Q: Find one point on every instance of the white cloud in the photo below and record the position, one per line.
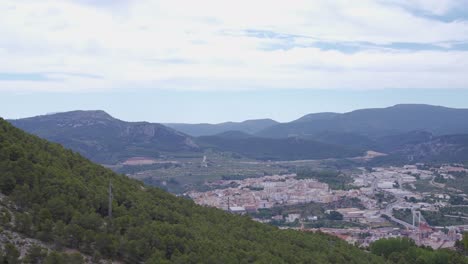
(202, 44)
(435, 7)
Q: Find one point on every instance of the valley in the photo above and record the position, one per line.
(359, 187)
(233, 132)
(365, 209)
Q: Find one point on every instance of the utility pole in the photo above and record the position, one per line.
(110, 199)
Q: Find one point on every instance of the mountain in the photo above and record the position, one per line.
(392, 130)
(104, 139)
(345, 139)
(397, 142)
(428, 148)
(248, 126)
(276, 148)
(233, 134)
(377, 122)
(316, 116)
(55, 196)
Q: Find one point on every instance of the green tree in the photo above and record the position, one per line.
(11, 254)
(334, 215)
(54, 258)
(35, 255)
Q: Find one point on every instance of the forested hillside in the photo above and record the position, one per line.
(377, 122)
(278, 148)
(61, 198)
(248, 126)
(105, 139)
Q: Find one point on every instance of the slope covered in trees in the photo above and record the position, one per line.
(105, 139)
(377, 122)
(405, 251)
(278, 148)
(248, 126)
(59, 197)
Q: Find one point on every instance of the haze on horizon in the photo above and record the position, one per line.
(216, 61)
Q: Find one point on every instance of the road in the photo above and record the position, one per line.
(435, 184)
(389, 212)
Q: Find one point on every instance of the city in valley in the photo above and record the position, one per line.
(379, 202)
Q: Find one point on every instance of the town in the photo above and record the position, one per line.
(380, 202)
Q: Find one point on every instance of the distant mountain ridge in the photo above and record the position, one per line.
(276, 148)
(316, 116)
(427, 148)
(105, 139)
(248, 126)
(400, 131)
(377, 122)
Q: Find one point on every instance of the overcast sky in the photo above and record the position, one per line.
(210, 61)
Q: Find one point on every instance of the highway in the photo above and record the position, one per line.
(389, 212)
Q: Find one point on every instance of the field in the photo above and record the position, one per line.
(179, 174)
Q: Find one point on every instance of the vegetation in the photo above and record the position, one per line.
(440, 219)
(325, 223)
(404, 215)
(377, 122)
(335, 179)
(61, 198)
(278, 148)
(305, 210)
(104, 139)
(455, 210)
(432, 218)
(36, 254)
(131, 169)
(190, 175)
(334, 215)
(459, 182)
(237, 129)
(439, 179)
(405, 251)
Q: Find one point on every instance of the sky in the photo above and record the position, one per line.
(213, 61)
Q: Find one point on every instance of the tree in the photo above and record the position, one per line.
(106, 244)
(35, 255)
(54, 258)
(11, 254)
(74, 258)
(334, 215)
(465, 241)
(385, 247)
(23, 223)
(7, 183)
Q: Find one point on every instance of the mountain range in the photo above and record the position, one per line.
(248, 126)
(276, 148)
(373, 122)
(105, 139)
(377, 122)
(407, 132)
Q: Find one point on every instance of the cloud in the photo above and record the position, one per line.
(434, 7)
(203, 45)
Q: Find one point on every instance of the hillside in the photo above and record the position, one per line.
(59, 197)
(427, 148)
(104, 139)
(394, 130)
(377, 122)
(276, 148)
(248, 126)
